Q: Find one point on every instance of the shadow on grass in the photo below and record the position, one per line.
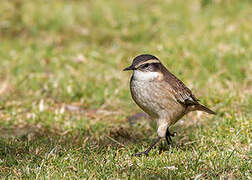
(16, 140)
(34, 144)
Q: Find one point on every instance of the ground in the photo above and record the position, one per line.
(65, 101)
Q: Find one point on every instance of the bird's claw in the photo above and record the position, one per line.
(173, 134)
(168, 136)
(141, 153)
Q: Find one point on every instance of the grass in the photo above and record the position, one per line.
(64, 100)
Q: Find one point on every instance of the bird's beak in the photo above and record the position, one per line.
(131, 67)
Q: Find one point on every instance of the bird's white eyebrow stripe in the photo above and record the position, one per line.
(147, 62)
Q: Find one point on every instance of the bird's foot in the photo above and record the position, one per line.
(173, 134)
(148, 150)
(141, 153)
(168, 136)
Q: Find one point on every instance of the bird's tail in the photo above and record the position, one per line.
(205, 109)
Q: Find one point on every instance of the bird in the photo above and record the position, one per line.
(161, 95)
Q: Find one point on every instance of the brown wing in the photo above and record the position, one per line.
(181, 92)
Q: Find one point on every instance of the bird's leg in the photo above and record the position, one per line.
(168, 136)
(148, 150)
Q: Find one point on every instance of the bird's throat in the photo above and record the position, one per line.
(145, 76)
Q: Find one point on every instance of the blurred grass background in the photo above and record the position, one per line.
(64, 100)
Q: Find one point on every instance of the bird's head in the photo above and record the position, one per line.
(145, 67)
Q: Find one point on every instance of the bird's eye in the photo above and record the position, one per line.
(146, 65)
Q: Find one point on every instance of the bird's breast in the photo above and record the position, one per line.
(154, 99)
(142, 93)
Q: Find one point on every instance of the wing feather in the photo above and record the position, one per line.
(182, 93)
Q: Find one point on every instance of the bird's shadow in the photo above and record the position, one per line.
(16, 143)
